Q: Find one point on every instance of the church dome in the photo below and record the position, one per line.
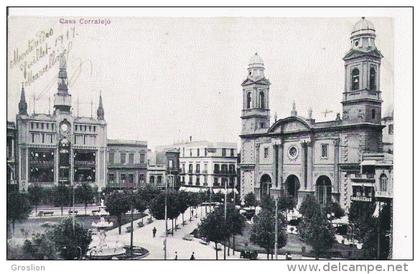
(363, 26)
(256, 60)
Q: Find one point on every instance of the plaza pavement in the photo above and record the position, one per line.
(144, 237)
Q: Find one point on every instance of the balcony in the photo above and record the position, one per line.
(84, 163)
(361, 198)
(43, 163)
(368, 178)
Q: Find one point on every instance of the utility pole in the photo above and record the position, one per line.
(132, 220)
(276, 229)
(224, 246)
(166, 218)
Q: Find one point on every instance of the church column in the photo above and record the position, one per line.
(309, 165)
(336, 186)
(256, 171)
(303, 143)
(280, 167)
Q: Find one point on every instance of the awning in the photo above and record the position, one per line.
(368, 163)
(192, 189)
(222, 190)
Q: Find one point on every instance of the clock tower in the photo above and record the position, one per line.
(62, 99)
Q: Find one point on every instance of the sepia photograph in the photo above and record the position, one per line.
(207, 134)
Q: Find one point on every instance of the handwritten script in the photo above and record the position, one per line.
(40, 53)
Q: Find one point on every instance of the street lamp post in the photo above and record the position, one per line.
(166, 218)
(132, 221)
(276, 229)
(224, 246)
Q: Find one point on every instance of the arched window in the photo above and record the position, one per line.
(372, 78)
(248, 100)
(355, 79)
(373, 114)
(383, 183)
(262, 100)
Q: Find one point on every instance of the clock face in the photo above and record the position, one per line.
(64, 127)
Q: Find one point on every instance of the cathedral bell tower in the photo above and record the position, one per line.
(255, 109)
(362, 96)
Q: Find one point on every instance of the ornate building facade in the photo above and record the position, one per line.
(297, 156)
(60, 148)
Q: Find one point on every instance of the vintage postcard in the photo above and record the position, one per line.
(209, 134)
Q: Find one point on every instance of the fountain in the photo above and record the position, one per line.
(101, 249)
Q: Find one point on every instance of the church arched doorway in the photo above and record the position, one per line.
(323, 189)
(265, 183)
(292, 186)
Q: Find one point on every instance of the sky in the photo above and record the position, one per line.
(165, 79)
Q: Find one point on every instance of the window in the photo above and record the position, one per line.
(42, 125)
(190, 180)
(355, 79)
(391, 129)
(372, 78)
(32, 125)
(232, 152)
(190, 152)
(33, 137)
(131, 158)
(142, 158)
(183, 168)
(141, 179)
(205, 181)
(266, 152)
(248, 100)
(205, 152)
(216, 181)
(152, 180)
(51, 138)
(198, 152)
(216, 168)
(159, 179)
(84, 139)
(170, 163)
(111, 157)
(224, 152)
(197, 168)
(262, 100)
(122, 156)
(43, 137)
(190, 168)
(205, 168)
(383, 183)
(111, 178)
(197, 180)
(324, 151)
(262, 125)
(373, 113)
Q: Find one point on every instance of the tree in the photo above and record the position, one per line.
(361, 216)
(268, 203)
(235, 221)
(157, 207)
(309, 206)
(369, 229)
(140, 203)
(117, 204)
(250, 200)
(18, 207)
(263, 230)
(61, 195)
(286, 203)
(335, 210)
(315, 229)
(214, 228)
(40, 247)
(70, 243)
(36, 195)
(183, 203)
(85, 194)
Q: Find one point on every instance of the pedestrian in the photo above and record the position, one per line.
(154, 231)
(288, 257)
(176, 256)
(192, 256)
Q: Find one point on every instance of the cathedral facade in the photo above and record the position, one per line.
(296, 156)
